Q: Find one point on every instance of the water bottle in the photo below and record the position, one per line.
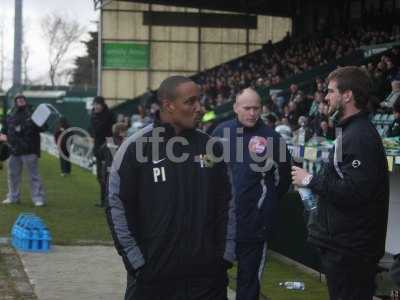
(308, 198)
(302, 136)
(46, 240)
(35, 240)
(293, 285)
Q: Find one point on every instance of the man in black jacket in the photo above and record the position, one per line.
(349, 224)
(169, 204)
(23, 138)
(101, 122)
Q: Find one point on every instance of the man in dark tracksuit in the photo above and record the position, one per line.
(349, 224)
(169, 205)
(260, 178)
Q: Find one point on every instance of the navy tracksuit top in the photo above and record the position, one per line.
(260, 168)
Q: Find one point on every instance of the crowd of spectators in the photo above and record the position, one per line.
(275, 63)
(295, 109)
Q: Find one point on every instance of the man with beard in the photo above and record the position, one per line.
(101, 122)
(169, 204)
(349, 224)
(23, 139)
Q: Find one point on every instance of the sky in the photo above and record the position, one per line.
(33, 12)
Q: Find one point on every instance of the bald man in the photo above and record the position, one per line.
(260, 166)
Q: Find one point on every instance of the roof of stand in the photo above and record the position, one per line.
(266, 7)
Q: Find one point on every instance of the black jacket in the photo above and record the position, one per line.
(170, 219)
(23, 135)
(101, 127)
(106, 155)
(4, 151)
(353, 190)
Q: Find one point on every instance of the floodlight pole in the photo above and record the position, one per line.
(99, 53)
(17, 44)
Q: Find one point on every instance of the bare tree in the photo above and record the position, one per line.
(26, 52)
(61, 34)
(25, 58)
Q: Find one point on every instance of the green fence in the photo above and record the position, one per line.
(71, 101)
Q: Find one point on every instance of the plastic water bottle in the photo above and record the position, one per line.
(35, 240)
(302, 136)
(308, 198)
(46, 240)
(293, 285)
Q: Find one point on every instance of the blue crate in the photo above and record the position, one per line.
(29, 233)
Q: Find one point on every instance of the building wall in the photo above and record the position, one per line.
(172, 49)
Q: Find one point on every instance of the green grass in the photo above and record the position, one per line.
(72, 217)
(70, 213)
(276, 272)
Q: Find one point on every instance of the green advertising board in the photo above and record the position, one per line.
(125, 56)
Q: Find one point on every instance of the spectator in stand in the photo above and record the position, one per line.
(391, 69)
(325, 130)
(120, 118)
(303, 134)
(290, 112)
(302, 104)
(293, 92)
(321, 115)
(395, 56)
(154, 109)
(393, 96)
(394, 129)
(269, 120)
(127, 121)
(283, 128)
(318, 98)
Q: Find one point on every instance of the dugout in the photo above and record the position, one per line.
(177, 37)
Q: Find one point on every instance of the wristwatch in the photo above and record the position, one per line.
(306, 180)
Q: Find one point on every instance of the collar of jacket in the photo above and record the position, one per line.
(102, 113)
(345, 122)
(22, 110)
(249, 129)
(169, 130)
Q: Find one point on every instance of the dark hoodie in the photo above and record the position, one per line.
(101, 126)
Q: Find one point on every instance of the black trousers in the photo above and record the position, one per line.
(209, 288)
(100, 179)
(348, 277)
(65, 166)
(251, 262)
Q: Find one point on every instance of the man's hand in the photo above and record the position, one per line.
(298, 175)
(3, 138)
